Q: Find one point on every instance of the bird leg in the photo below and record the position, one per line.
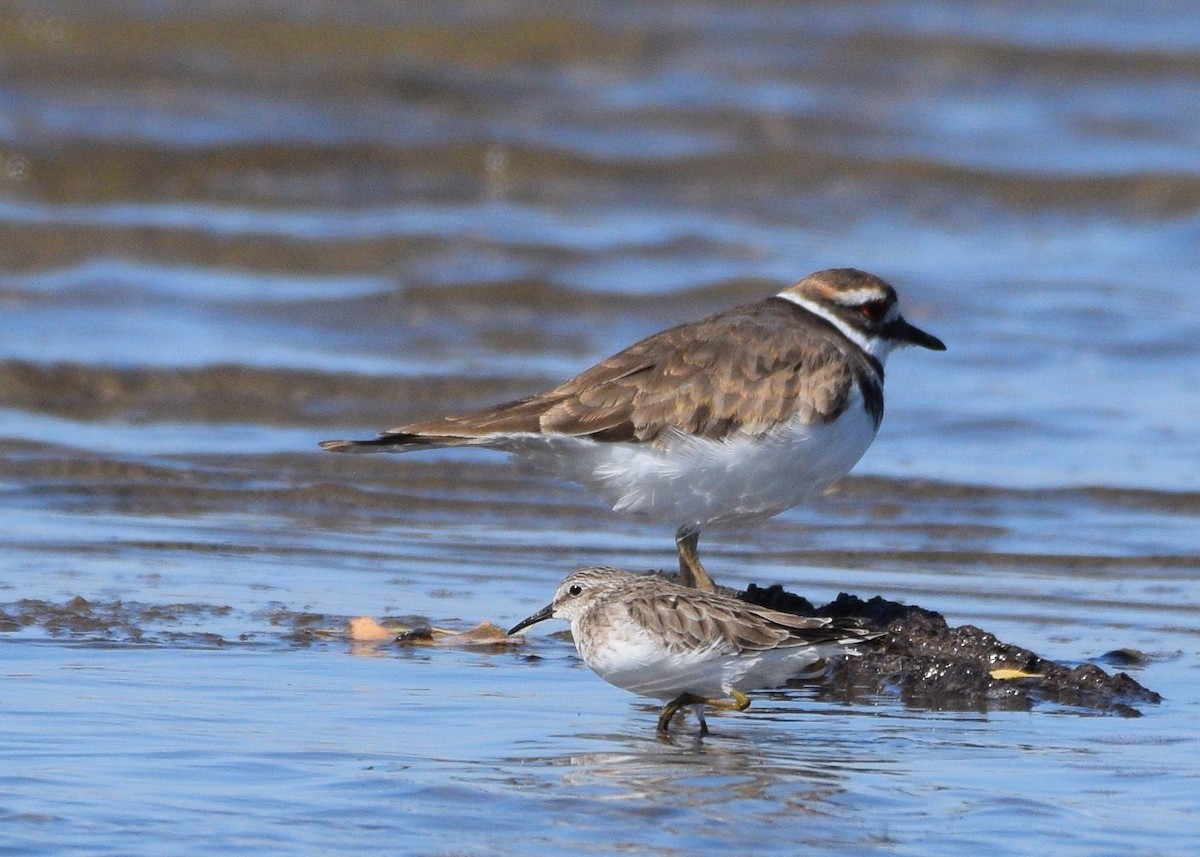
(739, 702)
(690, 570)
(672, 707)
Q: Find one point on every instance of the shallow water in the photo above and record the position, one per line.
(230, 231)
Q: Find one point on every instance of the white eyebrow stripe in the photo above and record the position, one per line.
(858, 297)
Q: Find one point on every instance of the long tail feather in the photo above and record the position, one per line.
(398, 442)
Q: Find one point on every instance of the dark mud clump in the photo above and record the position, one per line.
(114, 622)
(932, 665)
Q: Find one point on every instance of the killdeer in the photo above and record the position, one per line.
(737, 416)
(648, 635)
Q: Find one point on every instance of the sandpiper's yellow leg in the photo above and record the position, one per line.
(690, 569)
(672, 707)
(739, 702)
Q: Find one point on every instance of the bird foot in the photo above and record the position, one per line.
(738, 702)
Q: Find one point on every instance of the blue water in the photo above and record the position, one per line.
(227, 233)
(310, 752)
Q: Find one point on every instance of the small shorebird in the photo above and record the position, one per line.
(648, 635)
(737, 416)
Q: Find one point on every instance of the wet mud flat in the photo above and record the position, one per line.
(923, 660)
(920, 658)
(931, 664)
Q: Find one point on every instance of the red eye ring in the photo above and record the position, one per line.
(873, 310)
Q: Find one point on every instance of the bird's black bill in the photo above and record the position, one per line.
(901, 331)
(540, 616)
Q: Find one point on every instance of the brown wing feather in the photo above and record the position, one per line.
(744, 369)
(697, 619)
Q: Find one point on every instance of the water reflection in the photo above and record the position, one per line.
(783, 758)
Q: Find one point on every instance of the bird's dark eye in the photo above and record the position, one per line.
(873, 310)
(574, 589)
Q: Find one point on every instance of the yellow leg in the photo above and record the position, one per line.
(690, 569)
(672, 708)
(739, 702)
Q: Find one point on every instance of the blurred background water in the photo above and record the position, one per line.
(231, 229)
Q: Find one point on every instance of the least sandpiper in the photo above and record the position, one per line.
(737, 416)
(649, 635)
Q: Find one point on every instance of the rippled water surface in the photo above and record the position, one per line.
(228, 231)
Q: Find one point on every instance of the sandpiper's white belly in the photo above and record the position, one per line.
(625, 655)
(687, 480)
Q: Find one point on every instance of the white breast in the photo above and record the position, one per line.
(685, 480)
(629, 658)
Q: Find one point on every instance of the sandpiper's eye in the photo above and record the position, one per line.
(574, 589)
(873, 310)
